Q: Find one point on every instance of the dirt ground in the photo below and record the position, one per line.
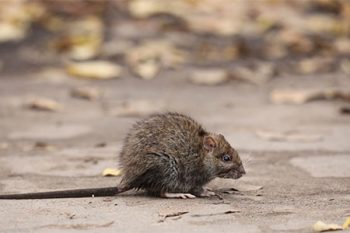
(290, 184)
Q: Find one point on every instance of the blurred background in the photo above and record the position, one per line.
(225, 62)
(250, 41)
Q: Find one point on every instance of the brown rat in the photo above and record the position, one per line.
(168, 155)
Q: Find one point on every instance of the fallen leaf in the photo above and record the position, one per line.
(321, 227)
(215, 214)
(88, 93)
(112, 172)
(81, 38)
(137, 108)
(101, 144)
(16, 18)
(259, 74)
(301, 96)
(295, 41)
(315, 65)
(290, 136)
(160, 52)
(345, 110)
(45, 104)
(164, 217)
(279, 96)
(345, 66)
(322, 23)
(94, 70)
(44, 146)
(346, 224)
(147, 70)
(12, 32)
(209, 76)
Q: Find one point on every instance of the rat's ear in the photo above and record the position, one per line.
(209, 143)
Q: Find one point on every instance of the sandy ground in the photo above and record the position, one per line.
(290, 184)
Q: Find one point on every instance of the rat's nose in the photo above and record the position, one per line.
(241, 170)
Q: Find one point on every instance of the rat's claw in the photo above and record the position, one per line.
(178, 195)
(207, 193)
(188, 195)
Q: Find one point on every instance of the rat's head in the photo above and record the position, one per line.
(227, 163)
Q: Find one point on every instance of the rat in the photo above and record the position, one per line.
(169, 155)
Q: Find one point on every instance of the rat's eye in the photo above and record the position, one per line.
(226, 158)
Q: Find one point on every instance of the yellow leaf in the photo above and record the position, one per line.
(112, 172)
(346, 224)
(94, 70)
(321, 226)
(45, 104)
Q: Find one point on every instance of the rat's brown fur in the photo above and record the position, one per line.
(165, 153)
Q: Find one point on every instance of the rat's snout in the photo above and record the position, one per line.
(241, 170)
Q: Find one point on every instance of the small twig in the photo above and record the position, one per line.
(218, 196)
(177, 214)
(214, 214)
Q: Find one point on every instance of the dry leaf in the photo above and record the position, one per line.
(261, 73)
(315, 65)
(346, 224)
(294, 96)
(45, 104)
(321, 227)
(322, 23)
(12, 32)
(147, 70)
(345, 66)
(16, 17)
(94, 70)
(146, 8)
(161, 51)
(344, 110)
(88, 93)
(82, 38)
(209, 76)
(101, 144)
(112, 172)
(136, 108)
(290, 136)
(301, 96)
(44, 146)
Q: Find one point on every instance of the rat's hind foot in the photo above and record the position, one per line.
(177, 195)
(207, 193)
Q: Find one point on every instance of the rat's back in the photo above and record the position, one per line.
(173, 134)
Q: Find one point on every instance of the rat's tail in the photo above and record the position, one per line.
(73, 193)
